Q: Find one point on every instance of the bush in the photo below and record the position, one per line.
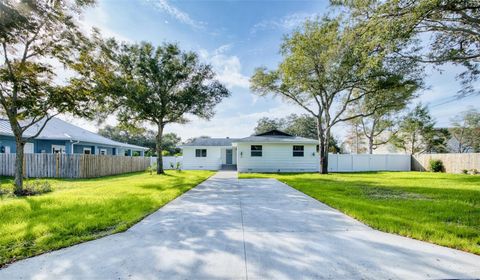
(464, 171)
(152, 168)
(36, 187)
(436, 165)
(474, 171)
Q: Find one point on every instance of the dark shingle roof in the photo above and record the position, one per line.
(277, 139)
(211, 142)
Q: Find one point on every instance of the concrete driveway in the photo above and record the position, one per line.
(257, 229)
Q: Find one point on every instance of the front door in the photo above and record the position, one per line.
(229, 156)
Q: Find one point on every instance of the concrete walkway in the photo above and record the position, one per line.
(257, 229)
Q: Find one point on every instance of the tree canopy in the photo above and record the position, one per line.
(37, 38)
(142, 137)
(326, 69)
(417, 133)
(466, 131)
(162, 85)
(430, 31)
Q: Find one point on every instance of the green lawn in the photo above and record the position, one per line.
(80, 210)
(434, 207)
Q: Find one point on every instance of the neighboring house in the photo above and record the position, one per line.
(59, 136)
(273, 151)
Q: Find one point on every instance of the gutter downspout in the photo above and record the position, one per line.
(73, 143)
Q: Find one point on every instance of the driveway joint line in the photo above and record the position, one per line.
(237, 183)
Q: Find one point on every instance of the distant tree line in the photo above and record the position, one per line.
(143, 137)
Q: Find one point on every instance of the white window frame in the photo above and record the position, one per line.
(60, 148)
(201, 154)
(103, 152)
(87, 149)
(31, 150)
(299, 152)
(256, 152)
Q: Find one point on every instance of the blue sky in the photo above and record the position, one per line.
(236, 37)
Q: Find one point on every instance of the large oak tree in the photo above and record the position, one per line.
(327, 68)
(162, 85)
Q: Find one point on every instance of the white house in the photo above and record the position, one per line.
(273, 151)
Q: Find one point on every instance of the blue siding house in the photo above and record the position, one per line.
(59, 136)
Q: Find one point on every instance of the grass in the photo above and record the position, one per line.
(81, 210)
(439, 208)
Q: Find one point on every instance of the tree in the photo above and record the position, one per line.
(355, 137)
(466, 131)
(438, 143)
(327, 68)
(417, 134)
(452, 27)
(378, 128)
(302, 125)
(38, 37)
(161, 85)
(267, 124)
(142, 137)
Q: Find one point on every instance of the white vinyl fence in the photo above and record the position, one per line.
(367, 162)
(168, 162)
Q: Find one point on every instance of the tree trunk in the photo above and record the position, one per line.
(323, 138)
(160, 150)
(20, 144)
(370, 145)
(326, 145)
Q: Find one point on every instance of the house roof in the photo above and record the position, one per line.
(276, 136)
(57, 129)
(273, 136)
(210, 142)
(274, 132)
(277, 139)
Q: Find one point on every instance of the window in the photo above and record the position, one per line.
(256, 150)
(298, 151)
(200, 152)
(29, 149)
(103, 152)
(318, 148)
(58, 149)
(87, 151)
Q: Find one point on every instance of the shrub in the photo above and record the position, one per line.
(474, 171)
(36, 187)
(152, 168)
(179, 166)
(436, 165)
(464, 171)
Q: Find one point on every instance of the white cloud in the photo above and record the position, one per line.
(227, 67)
(98, 17)
(174, 12)
(286, 23)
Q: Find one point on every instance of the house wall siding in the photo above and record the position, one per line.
(213, 161)
(45, 146)
(277, 158)
(7, 141)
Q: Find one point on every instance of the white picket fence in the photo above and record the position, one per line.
(367, 162)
